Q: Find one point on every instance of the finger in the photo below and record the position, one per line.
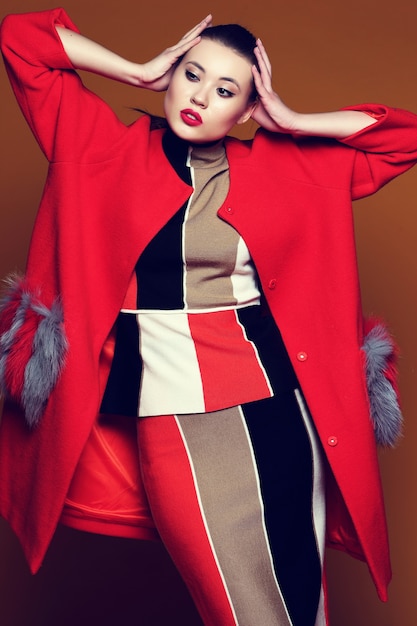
(198, 28)
(264, 55)
(190, 39)
(264, 65)
(259, 83)
(263, 72)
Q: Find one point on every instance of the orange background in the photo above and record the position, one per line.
(325, 54)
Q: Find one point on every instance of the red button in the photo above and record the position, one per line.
(302, 356)
(272, 283)
(229, 210)
(332, 441)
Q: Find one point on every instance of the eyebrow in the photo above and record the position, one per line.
(227, 78)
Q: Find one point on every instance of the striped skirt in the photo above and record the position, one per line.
(237, 498)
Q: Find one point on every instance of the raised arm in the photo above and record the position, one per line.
(383, 139)
(41, 51)
(86, 54)
(272, 114)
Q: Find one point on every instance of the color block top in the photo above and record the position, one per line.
(188, 335)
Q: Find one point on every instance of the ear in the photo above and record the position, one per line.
(247, 113)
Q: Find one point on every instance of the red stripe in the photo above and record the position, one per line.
(230, 369)
(172, 495)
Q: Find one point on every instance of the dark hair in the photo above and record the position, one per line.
(237, 38)
(233, 36)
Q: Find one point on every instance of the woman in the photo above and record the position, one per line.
(165, 265)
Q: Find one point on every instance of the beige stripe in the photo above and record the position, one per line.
(227, 484)
(210, 243)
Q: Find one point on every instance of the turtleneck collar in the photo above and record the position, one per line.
(203, 155)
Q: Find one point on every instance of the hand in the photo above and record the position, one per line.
(156, 73)
(270, 112)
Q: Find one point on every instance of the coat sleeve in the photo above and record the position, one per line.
(68, 121)
(383, 150)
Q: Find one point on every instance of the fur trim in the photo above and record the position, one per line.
(33, 347)
(381, 374)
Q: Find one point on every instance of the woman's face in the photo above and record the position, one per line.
(210, 91)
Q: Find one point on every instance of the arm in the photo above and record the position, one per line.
(336, 124)
(383, 139)
(272, 114)
(41, 51)
(86, 54)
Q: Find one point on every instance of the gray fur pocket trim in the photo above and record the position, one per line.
(380, 361)
(33, 347)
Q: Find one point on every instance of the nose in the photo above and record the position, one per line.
(200, 98)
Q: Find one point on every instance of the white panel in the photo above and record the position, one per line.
(171, 381)
(243, 278)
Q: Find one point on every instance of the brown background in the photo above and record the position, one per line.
(325, 54)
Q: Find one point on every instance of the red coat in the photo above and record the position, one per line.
(109, 191)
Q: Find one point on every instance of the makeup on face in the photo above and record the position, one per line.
(210, 91)
(191, 117)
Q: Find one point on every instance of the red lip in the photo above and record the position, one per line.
(190, 117)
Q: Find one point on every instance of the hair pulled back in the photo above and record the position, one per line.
(232, 36)
(235, 37)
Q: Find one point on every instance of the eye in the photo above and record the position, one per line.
(225, 93)
(191, 76)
